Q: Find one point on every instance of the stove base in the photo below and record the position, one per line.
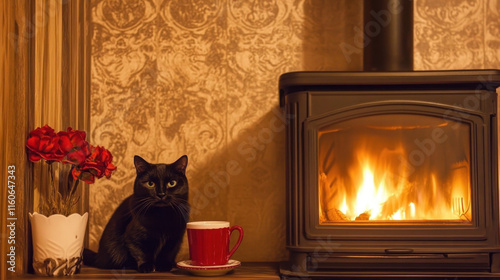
(286, 273)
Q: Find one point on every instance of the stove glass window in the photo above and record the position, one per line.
(395, 168)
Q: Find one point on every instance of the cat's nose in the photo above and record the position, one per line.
(161, 195)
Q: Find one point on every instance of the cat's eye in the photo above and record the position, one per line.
(150, 184)
(172, 184)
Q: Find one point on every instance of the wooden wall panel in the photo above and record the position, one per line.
(17, 85)
(31, 56)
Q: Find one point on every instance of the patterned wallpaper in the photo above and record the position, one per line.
(199, 77)
(458, 34)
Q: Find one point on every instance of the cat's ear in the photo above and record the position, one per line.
(140, 164)
(181, 164)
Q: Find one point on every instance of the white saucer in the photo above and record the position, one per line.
(212, 270)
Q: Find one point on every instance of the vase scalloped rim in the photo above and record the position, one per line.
(57, 215)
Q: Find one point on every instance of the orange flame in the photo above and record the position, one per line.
(377, 188)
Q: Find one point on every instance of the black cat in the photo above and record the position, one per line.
(146, 230)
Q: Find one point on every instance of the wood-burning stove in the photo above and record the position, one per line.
(392, 173)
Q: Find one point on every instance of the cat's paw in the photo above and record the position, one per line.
(146, 268)
(164, 267)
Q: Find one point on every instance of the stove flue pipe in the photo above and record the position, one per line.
(388, 35)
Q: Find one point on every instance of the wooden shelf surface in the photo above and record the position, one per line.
(247, 270)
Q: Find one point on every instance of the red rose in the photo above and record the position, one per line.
(97, 164)
(68, 147)
(44, 143)
(73, 143)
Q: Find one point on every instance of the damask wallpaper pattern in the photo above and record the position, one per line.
(174, 77)
(200, 77)
(458, 34)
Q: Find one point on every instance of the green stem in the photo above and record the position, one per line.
(53, 192)
(73, 184)
(69, 183)
(73, 187)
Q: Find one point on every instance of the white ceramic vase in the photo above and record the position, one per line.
(58, 243)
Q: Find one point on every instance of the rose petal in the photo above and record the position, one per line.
(34, 157)
(65, 143)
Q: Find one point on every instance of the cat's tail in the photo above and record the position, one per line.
(89, 257)
(99, 260)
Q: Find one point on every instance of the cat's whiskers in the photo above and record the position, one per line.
(181, 207)
(138, 204)
(142, 206)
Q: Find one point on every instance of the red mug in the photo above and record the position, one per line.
(209, 242)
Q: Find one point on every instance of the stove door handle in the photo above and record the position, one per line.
(398, 251)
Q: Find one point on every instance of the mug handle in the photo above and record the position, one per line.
(240, 229)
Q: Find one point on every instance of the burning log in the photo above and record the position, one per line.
(365, 216)
(397, 201)
(391, 205)
(336, 215)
